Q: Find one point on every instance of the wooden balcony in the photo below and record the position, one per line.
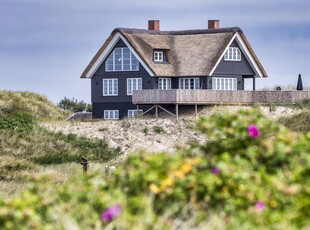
(200, 97)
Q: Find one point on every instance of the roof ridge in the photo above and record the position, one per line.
(179, 32)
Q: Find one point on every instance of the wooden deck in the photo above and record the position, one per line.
(204, 97)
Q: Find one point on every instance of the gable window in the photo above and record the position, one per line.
(110, 87)
(122, 59)
(188, 83)
(111, 114)
(134, 113)
(133, 84)
(232, 54)
(158, 56)
(164, 83)
(224, 83)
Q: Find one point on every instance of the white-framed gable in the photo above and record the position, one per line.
(108, 50)
(245, 52)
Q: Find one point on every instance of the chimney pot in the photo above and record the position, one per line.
(154, 25)
(213, 24)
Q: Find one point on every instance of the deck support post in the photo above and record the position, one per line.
(177, 111)
(254, 84)
(138, 115)
(196, 110)
(156, 111)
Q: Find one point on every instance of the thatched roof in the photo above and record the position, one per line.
(191, 52)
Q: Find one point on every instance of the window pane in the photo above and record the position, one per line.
(197, 83)
(134, 63)
(186, 84)
(129, 86)
(169, 83)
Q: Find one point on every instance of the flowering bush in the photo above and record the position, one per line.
(250, 173)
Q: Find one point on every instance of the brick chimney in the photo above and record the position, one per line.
(154, 25)
(213, 24)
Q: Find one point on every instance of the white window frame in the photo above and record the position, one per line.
(164, 83)
(111, 114)
(232, 54)
(158, 56)
(134, 112)
(112, 90)
(185, 83)
(223, 83)
(133, 84)
(131, 59)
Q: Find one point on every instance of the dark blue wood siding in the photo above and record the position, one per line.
(234, 67)
(122, 101)
(122, 107)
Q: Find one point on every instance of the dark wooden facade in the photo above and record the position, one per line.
(122, 102)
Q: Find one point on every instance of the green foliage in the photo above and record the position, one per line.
(158, 129)
(23, 153)
(238, 179)
(20, 122)
(26, 102)
(304, 104)
(103, 129)
(74, 105)
(299, 122)
(146, 130)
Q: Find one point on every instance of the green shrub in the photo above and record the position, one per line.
(20, 122)
(251, 173)
(299, 122)
(158, 129)
(146, 130)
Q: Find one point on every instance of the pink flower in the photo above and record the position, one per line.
(253, 131)
(259, 206)
(111, 213)
(216, 171)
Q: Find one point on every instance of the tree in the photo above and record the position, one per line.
(74, 105)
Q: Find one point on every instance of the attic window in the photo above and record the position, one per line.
(122, 59)
(158, 56)
(232, 54)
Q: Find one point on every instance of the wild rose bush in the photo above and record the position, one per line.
(251, 173)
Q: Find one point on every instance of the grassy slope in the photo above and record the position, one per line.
(36, 105)
(38, 151)
(298, 122)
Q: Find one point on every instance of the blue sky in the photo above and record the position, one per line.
(46, 45)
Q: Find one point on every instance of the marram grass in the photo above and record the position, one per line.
(27, 102)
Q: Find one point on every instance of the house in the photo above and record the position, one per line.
(138, 59)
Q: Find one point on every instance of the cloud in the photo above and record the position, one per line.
(45, 45)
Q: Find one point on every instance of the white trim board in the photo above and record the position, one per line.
(108, 49)
(246, 53)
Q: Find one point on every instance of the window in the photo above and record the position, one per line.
(134, 113)
(111, 114)
(122, 59)
(133, 84)
(164, 83)
(224, 83)
(158, 56)
(189, 83)
(110, 87)
(232, 54)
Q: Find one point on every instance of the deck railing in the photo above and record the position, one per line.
(177, 96)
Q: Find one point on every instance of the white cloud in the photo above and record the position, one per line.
(45, 45)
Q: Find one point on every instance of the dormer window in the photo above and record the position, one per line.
(158, 56)
(232, 54)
